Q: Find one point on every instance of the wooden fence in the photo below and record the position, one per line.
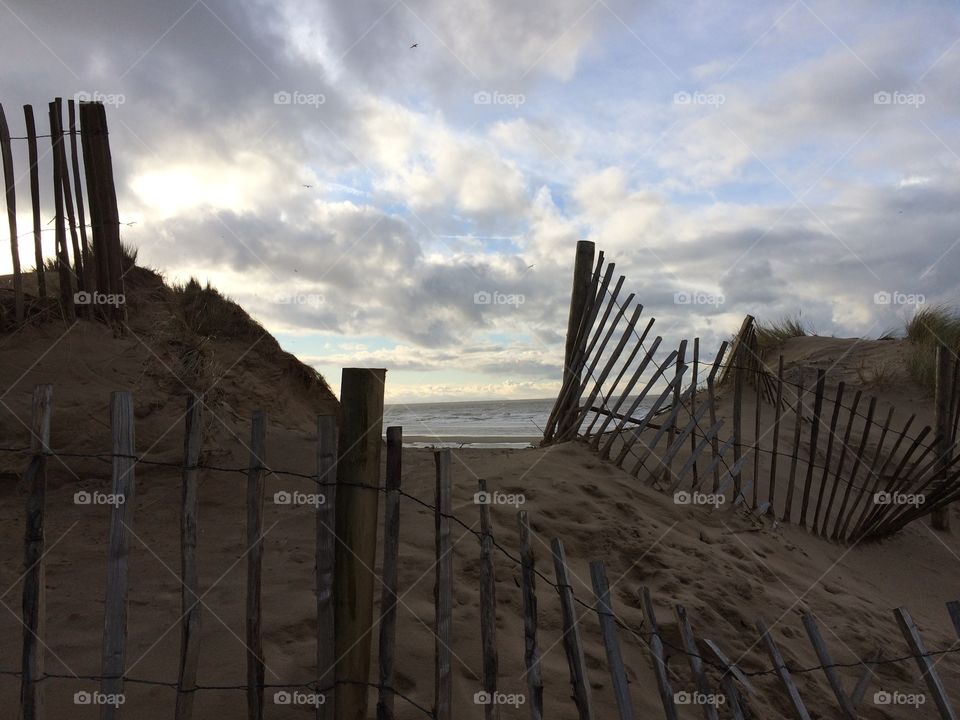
(348, 471)
(787, 447)
(89, 273)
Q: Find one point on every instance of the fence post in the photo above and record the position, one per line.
(190, 584)
(255, 473)
(940, 518)
(531, 654)
(33, 157)
(63, 255)
(488, 604)
(388, 597)
(9, 181)
(326, 549)
(358, 483)
(571, 634)
(34, 585)
(443, 590)
(121, 519)
(78, 194)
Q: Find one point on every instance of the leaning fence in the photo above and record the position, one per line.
(828, 462)
(718, 681)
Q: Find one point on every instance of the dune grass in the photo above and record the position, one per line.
(929, 327)
(773, 333)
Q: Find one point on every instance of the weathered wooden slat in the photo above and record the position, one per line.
(735, 350)
(604, 450)
(118, 550)
(254, 617)
(608, 627)
(732, 696)
(775, 441)
(60, 229)
(851, 481)
(825, 477)
(189, 577)
(443, 589)
(664, 427)
(656, 649)
(757, 406)
(927, 668)
(799, 709)
(34, 160)
(637, 347)
(671, 423)
(71, 220)
(531, 652)
(865, 494)
(738, 372)
(843, 517)
(794, 456)
(579, 682)
(324, 566)
(714, 466)
(953, 608)
(823, 655)
(391, 551)
(78, 193)
(814, 438)
(730, 666)
(860, 689)
(34, 576)
(838, 473)
(693, 405)
(488, 607)
(681, 439)
(9, 182)
(696, 663)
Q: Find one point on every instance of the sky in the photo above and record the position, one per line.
(361, 197)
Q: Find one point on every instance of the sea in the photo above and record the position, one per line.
(483, 423)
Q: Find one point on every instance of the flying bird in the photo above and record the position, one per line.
(308, 186)
(414, 45)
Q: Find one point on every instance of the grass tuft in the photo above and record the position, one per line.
(929, 327)
(773, 333)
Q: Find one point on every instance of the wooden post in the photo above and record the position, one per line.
(443, 590)
(255, 475)
(837, 479)
(488, 607)
(78, 193)
(9, 181)
(737, 412)
(780, 666)
(33, 157)
(656, 649)
(34, 577)
(608, 627)
(831, 435)
(118, 552)
(189, 579)
(842, 515)
(693, 654)
(940, 518)
(531, 653)
(823, 655)
(798, 419)
(926, 665)
(814, 437)
(326, 549)
(953, 609)
(772, 490)
(693, 406)
(671, 422)
(757, 407)
(63, 255)
(61, 159)
(571, 634)
(358, 483)
(391, 549)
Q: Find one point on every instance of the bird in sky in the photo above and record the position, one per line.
(414, 45)
(308, 186)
